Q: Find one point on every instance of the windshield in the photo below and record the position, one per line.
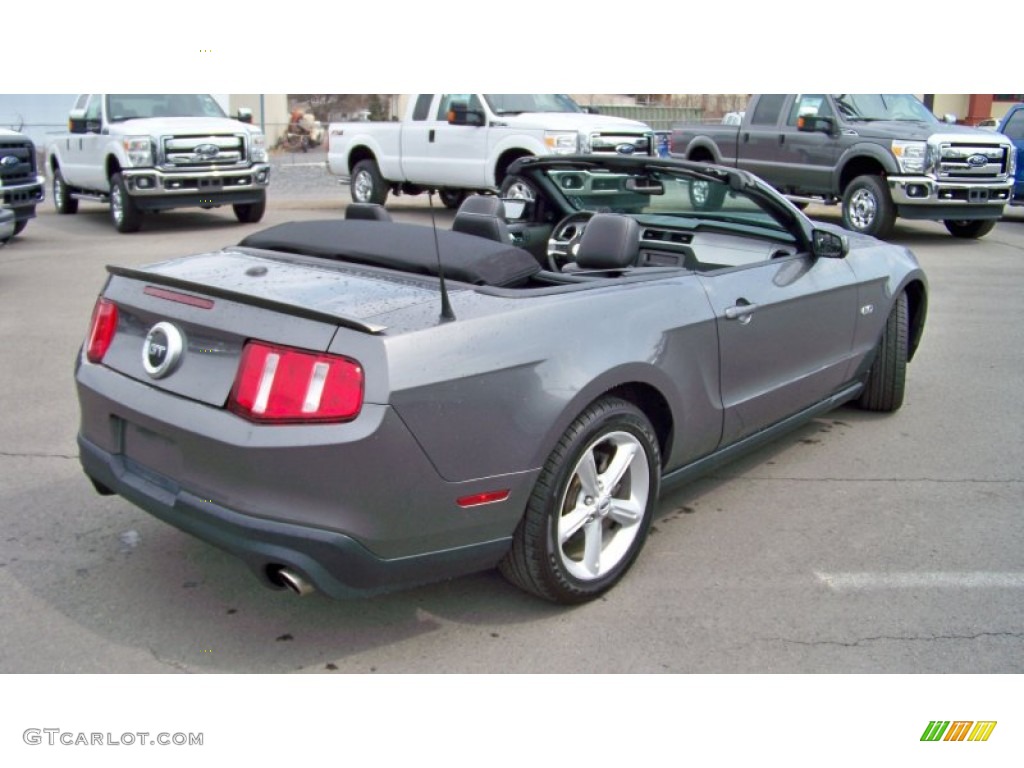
(514, 103)
(880, 106)
(653, 193)
(135, 105)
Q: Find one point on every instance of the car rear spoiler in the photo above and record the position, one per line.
(245, 298)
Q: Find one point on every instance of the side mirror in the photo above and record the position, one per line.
(829, 245)
(76, 121)
(244, 115)
(950, 118)
(460, 114)
(592, 110)
(815, 124)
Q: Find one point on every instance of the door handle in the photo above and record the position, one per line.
(430, 136)
(741, 311)
(782, 138)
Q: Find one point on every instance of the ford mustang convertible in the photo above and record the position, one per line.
(355, 405)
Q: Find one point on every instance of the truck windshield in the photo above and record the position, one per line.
(515, 103)
(135, 105)
(881, 106)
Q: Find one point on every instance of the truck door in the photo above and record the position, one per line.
(759, 143)
(806, 159)
(414, 145)
(785, 330)
(82, 144)
(453, 155)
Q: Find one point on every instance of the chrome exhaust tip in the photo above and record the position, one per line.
(288, 578)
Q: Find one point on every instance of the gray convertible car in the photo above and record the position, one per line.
(355, 405)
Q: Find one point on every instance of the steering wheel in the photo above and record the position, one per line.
(565, 239)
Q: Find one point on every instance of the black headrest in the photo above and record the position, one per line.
(483, 216)
(483, 205)
(367, 212)
(610, 241)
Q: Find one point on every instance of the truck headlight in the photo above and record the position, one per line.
(1011, 161)
(258, 147)
(911, 155)
(138, 150)
(561, 142)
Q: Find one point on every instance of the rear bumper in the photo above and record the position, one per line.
(333, 562)
(356, 508)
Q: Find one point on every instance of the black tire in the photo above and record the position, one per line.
(452, 198)
(367, 185)
(517, 188)
(886, 382)
(62, 199)
(575, 543)
(970, 230)
(123, 213)
(19, 227)
(250, 213)
(868, 207)
(706, 195)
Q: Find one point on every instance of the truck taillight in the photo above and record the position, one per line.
(101, 330)
(285, 385)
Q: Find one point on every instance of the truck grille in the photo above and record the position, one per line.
(17, 161)
(616, 143)
(203, 152)
(972, 161)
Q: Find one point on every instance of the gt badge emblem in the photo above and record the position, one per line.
(162, 349)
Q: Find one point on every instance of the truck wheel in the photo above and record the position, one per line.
(367, 185)
(250, 213)
(123, 213)
(517, 188)
(868, 207)
(589, 513)
(62, 199)
(887, 378)
(452, 198)
(19, 227)
(705, 196)
(970, 229)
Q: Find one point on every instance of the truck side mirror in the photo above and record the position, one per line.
(815, 124)
(949, 118)
(461, 114)
(76, 121)
(244, 115)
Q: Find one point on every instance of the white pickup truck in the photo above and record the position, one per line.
(459, 143)
(143, 152)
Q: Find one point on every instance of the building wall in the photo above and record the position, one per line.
(269, 111)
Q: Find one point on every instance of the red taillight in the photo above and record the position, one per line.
(101, 330)
(281, 384)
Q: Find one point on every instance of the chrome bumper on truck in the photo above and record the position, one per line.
(22, 198)
(152, 188)
(922, 197)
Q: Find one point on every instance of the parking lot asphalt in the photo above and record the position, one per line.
(860, 543)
